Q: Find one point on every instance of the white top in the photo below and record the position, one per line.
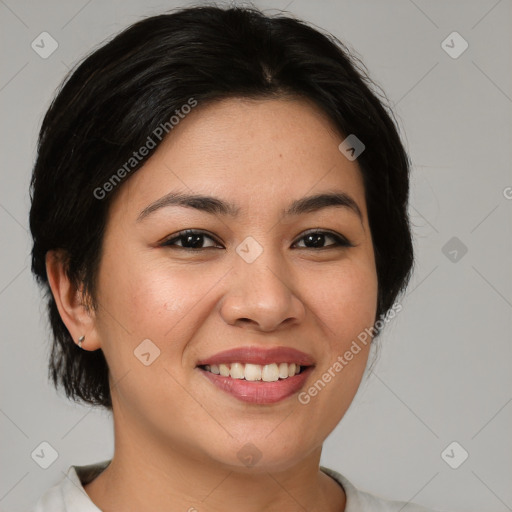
(69, 495)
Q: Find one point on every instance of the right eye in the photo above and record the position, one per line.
(190, 239)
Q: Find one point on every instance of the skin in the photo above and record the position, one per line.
(176, 435)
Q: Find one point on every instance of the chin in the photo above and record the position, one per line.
(260, 455)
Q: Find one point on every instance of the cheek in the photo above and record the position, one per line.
(345, 300)
(345, 305)
(154, 299)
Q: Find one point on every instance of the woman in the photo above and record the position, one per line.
(219, 215)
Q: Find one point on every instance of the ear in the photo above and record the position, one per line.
(78, 318)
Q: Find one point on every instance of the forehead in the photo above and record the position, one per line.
(246, 150)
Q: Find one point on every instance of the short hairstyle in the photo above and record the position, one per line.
(129, 88)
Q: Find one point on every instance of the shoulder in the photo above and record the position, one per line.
(68, 495)
(358, 500)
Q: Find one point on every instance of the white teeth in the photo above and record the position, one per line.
(283, 370)
(255, 372)
(236, 371)
(252, 372)
(224, 370)
(270, 373)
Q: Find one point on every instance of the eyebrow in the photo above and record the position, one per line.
(216, 206)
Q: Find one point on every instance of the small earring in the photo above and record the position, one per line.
(82, 338)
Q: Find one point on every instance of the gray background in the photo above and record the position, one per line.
(444, 373)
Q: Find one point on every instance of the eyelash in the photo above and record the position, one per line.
(340, 241)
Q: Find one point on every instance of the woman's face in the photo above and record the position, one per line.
(251, 278)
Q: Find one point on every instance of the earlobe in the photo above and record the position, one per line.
(77, 317)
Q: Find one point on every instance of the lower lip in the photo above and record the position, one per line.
(259, 392)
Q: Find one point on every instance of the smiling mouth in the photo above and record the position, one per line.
(255, 372)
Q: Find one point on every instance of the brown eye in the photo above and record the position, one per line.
(190, 239)
(316, 240)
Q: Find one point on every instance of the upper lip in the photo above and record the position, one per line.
(259, 355)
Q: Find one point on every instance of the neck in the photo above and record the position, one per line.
(148, 476)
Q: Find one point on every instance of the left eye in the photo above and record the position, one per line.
(318, 237)
(192, 239)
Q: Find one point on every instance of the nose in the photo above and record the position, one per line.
(261, 295)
